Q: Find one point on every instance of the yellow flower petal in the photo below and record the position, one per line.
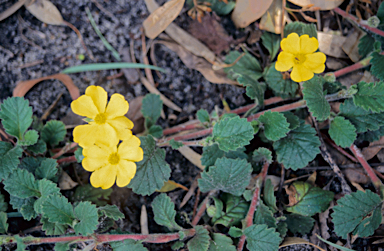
(106, 135)
(122, 126)
(315, 62)
(126, 170)
(300, 73)
(92, 164)
(84, 106)
(99, 97)
(291, 44)
(285, 61)
(87, 135)
(308, 45)
(130, 150)
(104, 177)
(117, 106)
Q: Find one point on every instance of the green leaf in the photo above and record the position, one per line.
(232, 133)
(108, 66)
(357, 213)
(212, 153)
(315, 98)
(203, 116)
(222, 8)
(127, 245)
(264, 215)
(156, 131)
(262, 155)
(22, 184)
(275, 125)
(310, 200)
(111, 211)
(366, 45)
(370, 96)
(16, 116)
(371, 136)
(151, 107)
(3, 204)
(62, 246)
(235, 232)
(254, 89)
(282, 228)
(377, 68)
(30, 138)
(301, 29)
(293, 120)
(79, 154)
(236, 209)
(46, 188)
(220, 242)
(271, 42)
(298, 148)
(334, 245)
(152, 171)
(3, 223)
(228, 175)
(24, 206)
(175, 144)
(9, 158)
(47, 169)
(342, 132)
(20, 243)
(200, 242)
(94, 195)
(39, 148)
(269, 196)
(281, 87)
(215, 211)
(164, 211)
(177, 245)
(363, 120)
(53, 228)
(299, 224)
(260, 237)
(53, 132)
(30, 164)
(58, 210)
(86, 214)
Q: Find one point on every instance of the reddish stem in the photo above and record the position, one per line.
(341, 150)
(202, 208)
(360, 157)
(361, 64)
(283, 108)
(64, 150)
(70, 159)
(252, 207)
(193, 135)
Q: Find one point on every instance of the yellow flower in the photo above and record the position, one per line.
(299, 53)
(112, 163)
(108, 124)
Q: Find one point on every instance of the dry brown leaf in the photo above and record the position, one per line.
(322, 4)
(135, 115)
(330, 44)
(192, 156)
(350, 46)
(170, 185)
(24, 86)
(159, 20)
(248, 11)
(356, 175)
(291, 191)
(144, 220)
(65, 182)
(271, 20)
(374, 147)
(46, 12)
(8, 12)
(290, 241)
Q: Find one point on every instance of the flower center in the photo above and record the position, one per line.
(100, 118)
(114, 158)
(299, 59)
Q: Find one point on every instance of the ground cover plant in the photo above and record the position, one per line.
(287, 169)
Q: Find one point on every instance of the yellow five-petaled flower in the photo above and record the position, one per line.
(299, 54)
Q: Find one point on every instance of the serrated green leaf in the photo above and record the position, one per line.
(371, 136)
(79, 154)
(27, 209)
(222, 8)
(282, 228)
(228, 175)
(260, 237)
(262, 155)
(177, 245)
(16, 116)
(46, 188)
(20, 243)
(293, 120)
(203, 116)
(377, 68)
(53, 228)
(281, 87)
(215, 211)
(301, 29)
(47, 169)
(200, 242)
(152, 171)
(232, 133)
(30, 164)
(298, 148)
(30, 138)
(38, 148)
(127, 245)
(53, 132)
(331, 88)
(366, 45)
(86, 214)
(58, 210)
(164, 211)
(212, 153)
(235, 232)
(156, 131)
(370, 96)
(3, 223)
(235, 210)
(151, 107)
(87, 192)
(310, 200)
(315, 98)
(264, 215)
(299, 223)
(22, 184)
(275, 125)
(9, 158)
(342, 132)
(357, 213)
(269, 196)
(62, 246)
(254, 89)
(220, 242)
(175, 144)
(271, 42)
(111, 211)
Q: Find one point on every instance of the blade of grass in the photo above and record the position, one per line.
(334, 245)
(108, 66)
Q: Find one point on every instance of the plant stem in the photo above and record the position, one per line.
(252, 207)
(283, 108)
(361, 64)
(341, 150)
(69, 159)
(202, 208)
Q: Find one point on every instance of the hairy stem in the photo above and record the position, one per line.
(202, 207)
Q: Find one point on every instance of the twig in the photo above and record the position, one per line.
(196, 202)
(108, 13)
(148, 72)
(70, 159)
(51, 107)
(64, 150)
(359, 65)
(203, 206)
(81, 39)
(341, 150)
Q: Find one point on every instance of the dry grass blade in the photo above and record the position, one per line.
(144, 220)
(159, 20)
(8, 12)
(290, 241)
(248, 11)
(322, 4)
(24, 86)
(192, 156)
(46, 12)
